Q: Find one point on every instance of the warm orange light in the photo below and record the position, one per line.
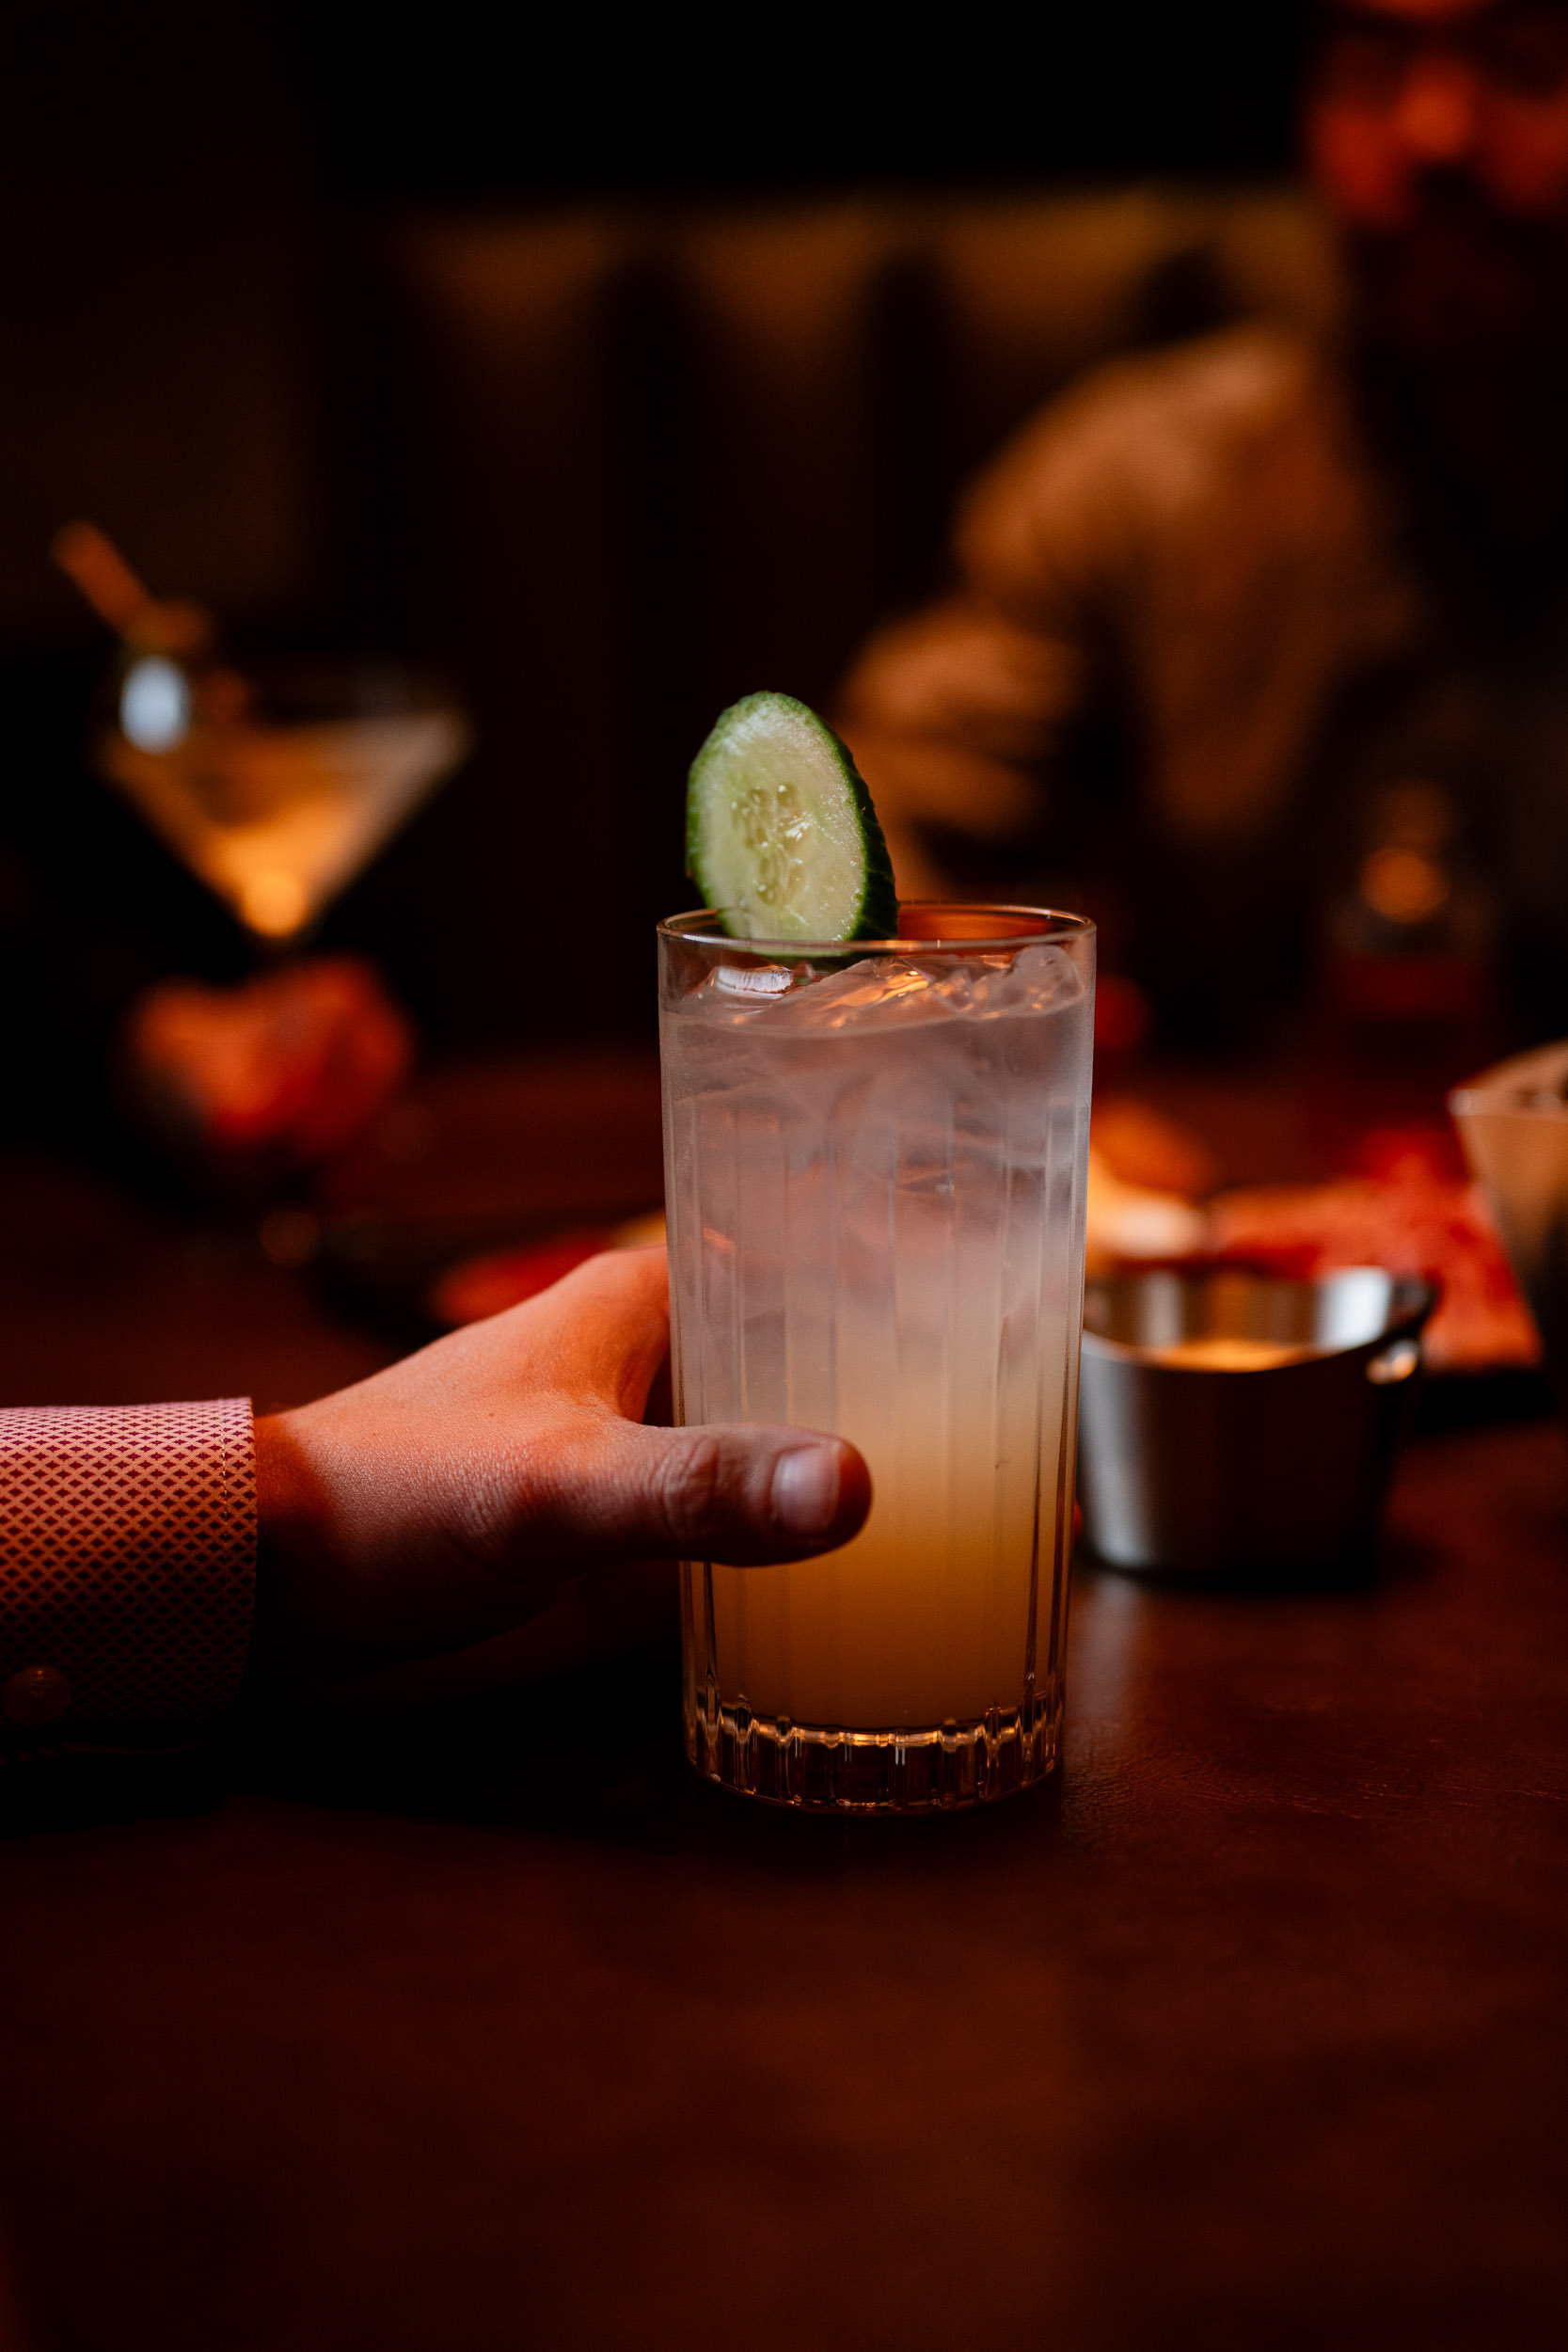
(1403, 886)
(928, 919)
(274, 903)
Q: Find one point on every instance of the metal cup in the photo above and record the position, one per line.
(1195, 1471)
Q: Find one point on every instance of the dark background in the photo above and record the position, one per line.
(457, 104)
(179, 170)
(204, 216)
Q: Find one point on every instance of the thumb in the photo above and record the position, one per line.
(727, 1492)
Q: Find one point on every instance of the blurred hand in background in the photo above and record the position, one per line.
(253, 1083)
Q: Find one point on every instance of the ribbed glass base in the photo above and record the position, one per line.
(827, 1769)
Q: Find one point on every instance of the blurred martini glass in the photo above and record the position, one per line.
(275, 799)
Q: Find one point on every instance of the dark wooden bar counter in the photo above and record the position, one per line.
(497, 2030)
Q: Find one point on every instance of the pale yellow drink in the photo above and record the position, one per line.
(875, 1186)
(905, 1625)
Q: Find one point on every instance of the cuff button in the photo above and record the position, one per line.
(35, 1695)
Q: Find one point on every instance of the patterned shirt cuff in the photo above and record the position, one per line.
(127, 1572)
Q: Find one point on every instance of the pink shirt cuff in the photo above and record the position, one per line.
(127, 1571)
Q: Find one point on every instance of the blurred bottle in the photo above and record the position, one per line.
(1406, 1000)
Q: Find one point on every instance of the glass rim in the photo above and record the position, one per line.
(1043, 924)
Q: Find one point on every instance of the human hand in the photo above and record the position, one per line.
(464, 1489)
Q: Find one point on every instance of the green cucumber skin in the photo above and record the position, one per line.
(876, 915)
(878, 909)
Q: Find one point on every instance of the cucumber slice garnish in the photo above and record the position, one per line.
(780, 835)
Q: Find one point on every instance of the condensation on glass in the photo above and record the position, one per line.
(875, 1166)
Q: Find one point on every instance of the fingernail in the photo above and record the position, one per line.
(805, 1490)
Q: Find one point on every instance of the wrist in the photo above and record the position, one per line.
(289, 1530)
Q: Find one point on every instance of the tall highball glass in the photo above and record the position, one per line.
(875, 1173)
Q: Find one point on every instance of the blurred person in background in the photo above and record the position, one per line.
(1236, 619)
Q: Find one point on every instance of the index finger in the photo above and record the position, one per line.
(604, 1329)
